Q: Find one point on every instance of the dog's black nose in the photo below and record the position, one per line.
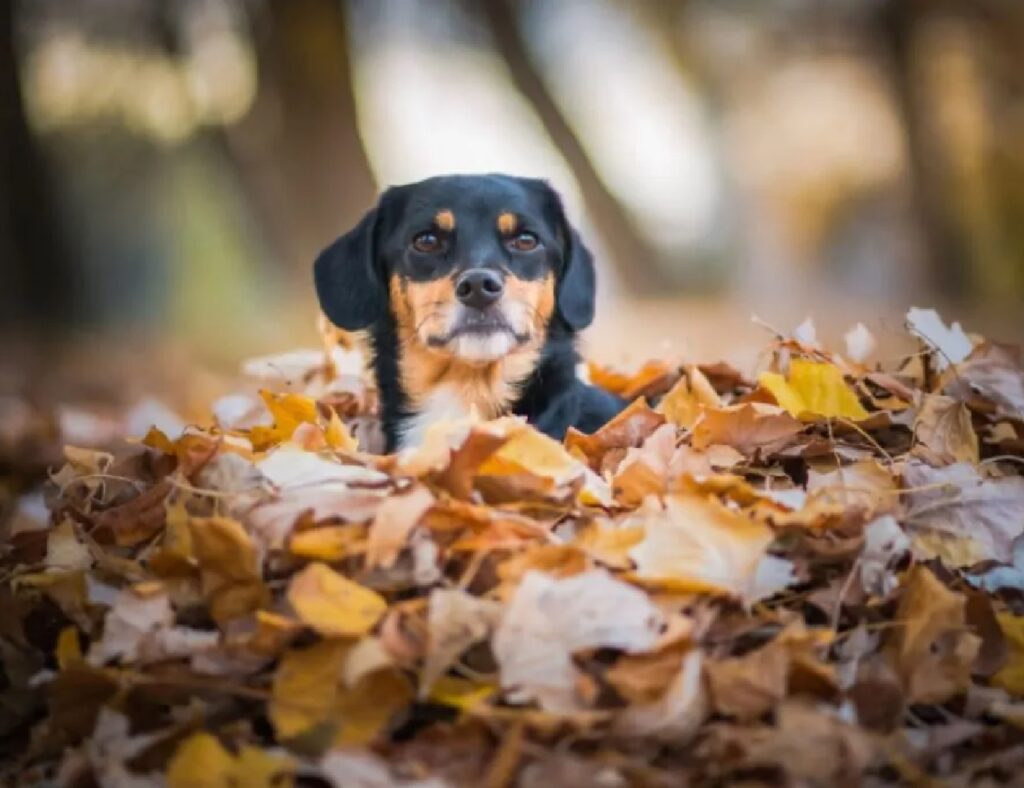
(479, 288)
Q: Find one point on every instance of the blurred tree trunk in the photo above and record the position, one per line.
(898, 24)
(35, 272)
(299, 152)
(967, 184)
(631, 252)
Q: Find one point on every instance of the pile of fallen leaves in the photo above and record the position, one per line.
(812, 577)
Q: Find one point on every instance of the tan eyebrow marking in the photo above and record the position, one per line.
(507, 223)
(445, 220)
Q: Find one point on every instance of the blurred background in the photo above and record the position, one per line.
(170, 169)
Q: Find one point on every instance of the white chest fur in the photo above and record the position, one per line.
(443, 404)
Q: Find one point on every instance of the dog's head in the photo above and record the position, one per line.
(470, 267)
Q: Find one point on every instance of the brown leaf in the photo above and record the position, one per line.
(229, 567)
(749, 686)
(688, 398)
(393, 524)
(960, 516)
(865, 486)
(932, 650)
(629, 428)
(992, 372)
(943, 432)
(653, 378)
(136, 521)
(748, 428)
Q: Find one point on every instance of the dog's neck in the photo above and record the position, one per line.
(419, 386)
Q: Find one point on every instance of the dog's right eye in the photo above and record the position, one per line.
(426, 243)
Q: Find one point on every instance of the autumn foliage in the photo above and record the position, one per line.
(810, 577)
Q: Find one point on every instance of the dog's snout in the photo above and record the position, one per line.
(479, 288)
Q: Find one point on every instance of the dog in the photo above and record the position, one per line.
(472, 289)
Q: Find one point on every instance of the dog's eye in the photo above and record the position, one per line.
(426, 243)
(524, 242)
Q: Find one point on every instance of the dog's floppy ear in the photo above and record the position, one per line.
(576, 285)
(348, 283)
(576, 289)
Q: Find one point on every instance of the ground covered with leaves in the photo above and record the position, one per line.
(812, 576)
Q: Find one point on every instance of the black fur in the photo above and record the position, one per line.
(351, 278)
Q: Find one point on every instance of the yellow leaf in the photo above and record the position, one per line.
(69, 648)
(687, 398)
(364, 711)
(463, 694)
(814, 389)
(332, 604)
(529, 451)
(337, 435)
(229, 567)
(288, 411)
(306, 687)
(696, 544)
(1011, 676)
(157, 439)
(331, 543)
(273, 633)
(256, 768)
(609, 545)
(201, 762)
(174, 557)
(629, 385)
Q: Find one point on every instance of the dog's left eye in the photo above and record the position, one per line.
(426, 243)
(524, 242)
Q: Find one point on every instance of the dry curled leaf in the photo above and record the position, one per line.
(943, 432)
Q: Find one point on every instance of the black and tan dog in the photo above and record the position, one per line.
(472, 289)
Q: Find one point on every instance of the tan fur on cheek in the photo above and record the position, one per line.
(538, 298)
(422, 308)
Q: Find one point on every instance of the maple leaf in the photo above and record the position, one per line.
(748, 428)
(688, 397)
(864, 486)
(287, 411)
(950, 343)
(812, 390)
(696, 544)
(961, 516)
(992, 372)
(943, 432)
